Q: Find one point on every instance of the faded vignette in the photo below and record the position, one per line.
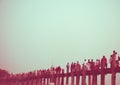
(59, 42)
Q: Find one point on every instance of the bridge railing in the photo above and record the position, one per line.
(75, 74)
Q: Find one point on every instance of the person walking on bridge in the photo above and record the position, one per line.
(104, 62)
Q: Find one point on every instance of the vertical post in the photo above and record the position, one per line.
(55, 83)
(95, 78)
(113, 79)
(14, 82)
(67, 72)
(11, 82)
(62, 81)
(47, 81)
(40, 81)
(113, 64)
(58, 79)
(36, 81)
(89, 79)
(103, 68)
(83, 75)
(77, 78)
(43, 81)
(67, 79)
(22, 82)
(72, 78)
(32, 82)
(27, 82)
(102, 77)
(17, 83)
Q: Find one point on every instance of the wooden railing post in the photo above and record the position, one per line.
(58, 83)
(102, 76)
(113, 66)
(62, 80)
(36, 81)
(89, 79)
(95, 78)
(40, 81)
(67, 79)
(72, 78)
(113, 76)
(77, 78)
(55, 83)
(83, 75)
(48, 81)
(27, 82)
(43, 81)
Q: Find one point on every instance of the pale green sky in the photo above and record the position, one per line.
(36, 34)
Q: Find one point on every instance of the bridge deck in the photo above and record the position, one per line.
(91, 72)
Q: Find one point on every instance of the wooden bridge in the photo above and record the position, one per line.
(81, 77)
(63, 78)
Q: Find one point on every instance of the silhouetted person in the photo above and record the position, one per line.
(58, 70)
(113, 59)
(88, 65)
(104, 62)
(110, 61)
(78, 66)
(72, 66)
(67, 71)
(97, 64)
(67, 67)
(83, 74)
(92, 64)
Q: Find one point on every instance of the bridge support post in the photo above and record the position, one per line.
(67, 79)
(77, 78)
(95, 79)
(27, 82)
(22, 82)
(89, 79)
(113, 79)
(40, 81)
(32, 82)
(16, 82)
(83, 75)
(55, 83)
(48, 81)
(36, 81)
(72, 79)
(102, 77)
(58, 80)
(43, 81)
(62, 81)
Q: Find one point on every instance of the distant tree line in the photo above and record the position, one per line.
(3, 73)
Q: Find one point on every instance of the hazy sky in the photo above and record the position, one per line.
(35, 34)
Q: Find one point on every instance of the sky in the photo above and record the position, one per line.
(35, 34)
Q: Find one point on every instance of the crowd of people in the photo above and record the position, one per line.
(88, 65)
